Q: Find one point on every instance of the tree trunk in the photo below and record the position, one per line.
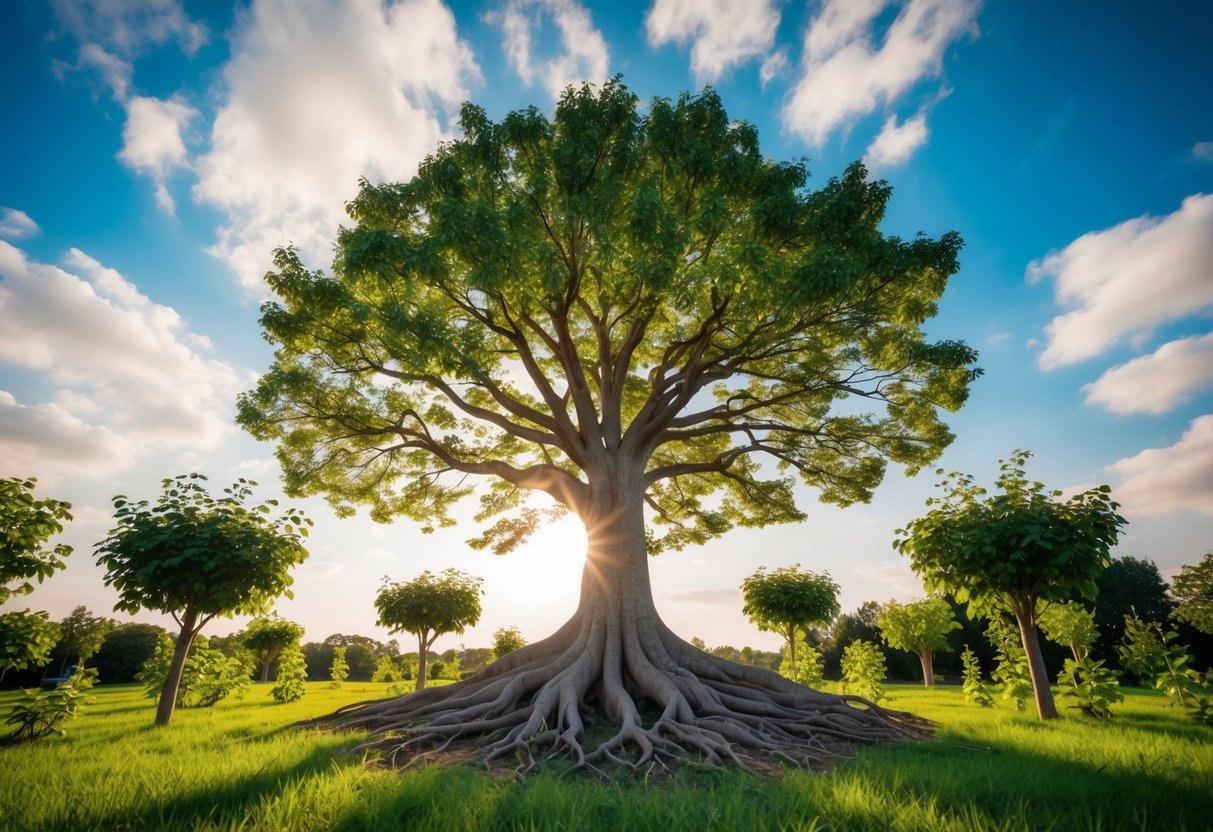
(422, 647)
(1045, 707)
(928, 670)
(265, 667)
(172, 681)
(616, 662)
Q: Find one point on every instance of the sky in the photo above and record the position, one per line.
(155, 152)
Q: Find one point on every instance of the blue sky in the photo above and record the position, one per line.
(156, 151)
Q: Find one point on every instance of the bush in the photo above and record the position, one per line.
(338, 670)
(1092, 686)
(974, 689)
(810, 667)
(292, 672)
(209, 676)
(39, 714)
(863, 670)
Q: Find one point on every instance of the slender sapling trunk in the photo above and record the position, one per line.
(1030, 638)
(928, 671)
(172, 681)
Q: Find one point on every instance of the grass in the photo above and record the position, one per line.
(238, 766)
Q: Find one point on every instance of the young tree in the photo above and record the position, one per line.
(1193, 588)
(1129, 587)
(292, 673)
(920, 627)
(196, 557)
(430, 606)
(627, 309)
(507, 640)
(863, 670)
(1010, 551)
(81, 635)
(789, 599)
(339, 671)
(807, 668)
(268, 636)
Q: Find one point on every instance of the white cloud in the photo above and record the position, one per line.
(48, 442)
(1203, 151)
(111, 349)
(896, 575)
(1128, 279)
(846, 76)
(897, 142)
(152, 142)
(584, 57)
(16, 224)
(726, 33)
(1159, 480)
(317, 95)
(323, 568)
(773, 65)
(1157, 382)
(128, 26)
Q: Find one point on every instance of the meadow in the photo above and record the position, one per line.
(240, 766)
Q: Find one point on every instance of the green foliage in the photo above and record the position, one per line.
(921, 627)
(1092, 687)
(645, 259)
(82, 634)
(26, 639)
(808, 668)
(339, 671)
(1071, 625)
(1011, 670)
(1149, 652)
(292, 673)
(974, 688)
(40, 713)
(192, 551)
(267, 636)
(1129, 587)
(863, 670)
(125, 650)
(208, 678)
(507, 640)
(430, 606)
(787, 599)
(26, 525)
(387, 669)
(1193, 588)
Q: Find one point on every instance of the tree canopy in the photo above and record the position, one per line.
(268, 636)
(26, 524)
(430, 606)
(195, 557)
(788, 599)
(1193, 588)
(920, 627)
(637, 313)
(1007, 552)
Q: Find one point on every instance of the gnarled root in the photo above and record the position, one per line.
(667, 700)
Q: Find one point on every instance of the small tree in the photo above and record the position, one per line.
(430, 606)
(40, 712)
(26, 640)
(268, 636)
(81, 635)
(1071, 625)
(1011, 670)
(207, 677)
(26, 525)
(974, 689)
(920, 627)
(1193, 588)
(196, 557)
(292, 673)
(387, 670)
(808, 669)
(507, 640)
(339, 671)
(1010, 551)
(789, 599)
(863, 670)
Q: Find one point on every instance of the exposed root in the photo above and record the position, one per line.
(666, 700)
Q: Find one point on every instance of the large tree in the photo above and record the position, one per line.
(635, 312)
(921, 627)
(81, 635)
(1006, 553)
(1128, 587)
(195, 557)
(787, 600)
(430, 606)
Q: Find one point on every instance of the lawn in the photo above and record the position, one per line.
(239, 766)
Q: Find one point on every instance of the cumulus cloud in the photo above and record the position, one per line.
(846, 75)
(152, 142)
(128, 26)
(1126, 280)
(52, 444)
(317, 95)
(1159, 480)
(1203, 151)
(584, 56)
(725, 33)
(118, 357)
(16, 224)
(1157, 382)
(897, 142)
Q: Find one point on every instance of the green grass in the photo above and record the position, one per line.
(238, 766)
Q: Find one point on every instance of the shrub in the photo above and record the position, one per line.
(41, 711)
(863, 670)
(209, 676)
(292, 672)
(1092, 686)
(974, 689)
(809, 669)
